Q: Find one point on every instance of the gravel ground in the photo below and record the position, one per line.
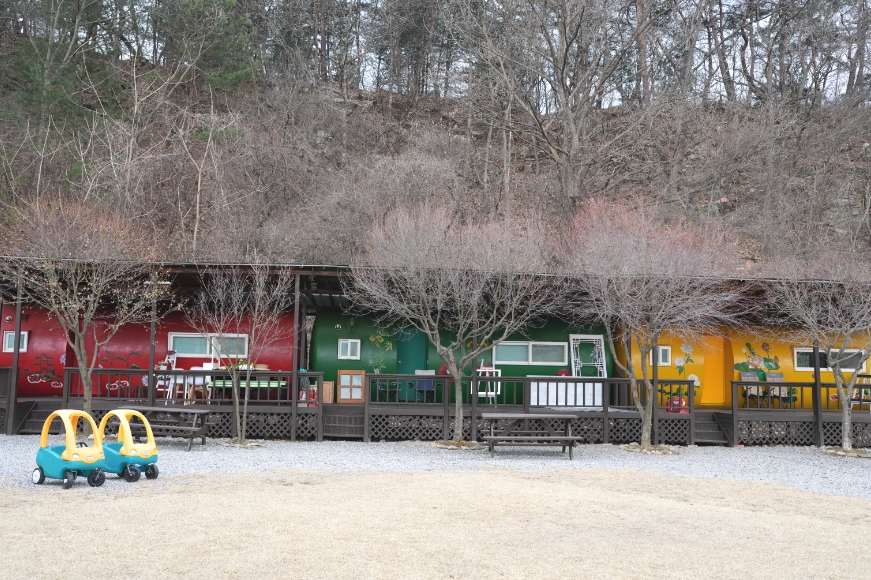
(803, 468)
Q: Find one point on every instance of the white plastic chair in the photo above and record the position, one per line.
(491, 388)
(167, 382)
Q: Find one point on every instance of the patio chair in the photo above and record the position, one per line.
(386, 387)
(862, 393)
(786, 396)
(754, 392)
(491, 388)
(167, 383)
(425, 387)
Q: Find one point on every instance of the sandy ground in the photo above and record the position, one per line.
(490, 524)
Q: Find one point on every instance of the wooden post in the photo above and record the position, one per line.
(12, 394)
(606, 402)
(294, 389)
(527, 395)
(692, 400)
(734, 414)
(474, 424)
(320, 414)
(367, 394)
(152, 387)
(654, 420)
(819, 434)
(65, 396)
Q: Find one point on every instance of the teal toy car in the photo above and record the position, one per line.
(125, 457)
(67, 461)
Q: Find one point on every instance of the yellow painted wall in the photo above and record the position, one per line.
(707, 359)
(713, 361)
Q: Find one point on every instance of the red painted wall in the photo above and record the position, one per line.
(41, 367)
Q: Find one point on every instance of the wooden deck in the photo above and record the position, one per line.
(603, 417)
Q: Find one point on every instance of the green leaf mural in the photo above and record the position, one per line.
(756, 363)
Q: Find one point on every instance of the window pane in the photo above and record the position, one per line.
(230, 346)
(548, 353)
(664, 356)
(805, 359)
(190, 345)
(345, 380)
(8, 339)
(512, 353)
(353, 348)
(357, 380)
(343, 348)
(850, 361)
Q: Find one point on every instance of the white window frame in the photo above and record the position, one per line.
(211, 349)
(662, 349)
(529, 361)
(810, 350)
(23, 340)
(349, 341)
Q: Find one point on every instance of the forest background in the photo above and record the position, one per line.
(283, 130)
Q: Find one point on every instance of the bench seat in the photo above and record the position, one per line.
(533, 440)
(170, 429)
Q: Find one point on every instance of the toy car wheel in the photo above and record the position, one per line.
(38, 475)
(69, 479)
(151, 472)
(131, 473)
(96, 478)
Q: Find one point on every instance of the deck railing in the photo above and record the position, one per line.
(5, 376)
(186, 387)
(798, 399)
(607, 396)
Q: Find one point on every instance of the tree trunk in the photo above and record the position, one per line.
(647, 421)
(236, 416)
(244, 431)
(845, 396)
(87, 385)
(458, 408)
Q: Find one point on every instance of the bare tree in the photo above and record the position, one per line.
(237, 301)
(90, 268)
(833, 311)
(465, 287)
(642, 278)
(560, 62)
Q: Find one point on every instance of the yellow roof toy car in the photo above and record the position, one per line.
(67, 461)
(126, 458)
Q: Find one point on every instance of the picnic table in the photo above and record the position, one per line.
(530, 429)
(168, 422)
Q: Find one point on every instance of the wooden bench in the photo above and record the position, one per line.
(169, 423)
(530, 429)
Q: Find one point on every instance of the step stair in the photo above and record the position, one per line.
(33, 424)
(708, 432)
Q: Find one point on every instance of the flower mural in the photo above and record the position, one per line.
(382, 346)
(757, 363)
(43, 372)
(677, 398)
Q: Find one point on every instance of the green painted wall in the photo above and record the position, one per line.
(325, 345)
(324, 352)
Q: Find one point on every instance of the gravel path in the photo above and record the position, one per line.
(803, 468)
